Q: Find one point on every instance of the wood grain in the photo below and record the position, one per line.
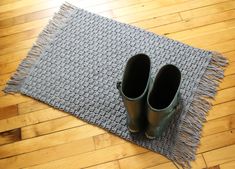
(33, 135)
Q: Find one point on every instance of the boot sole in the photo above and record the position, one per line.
(133, 131)
(149, 137)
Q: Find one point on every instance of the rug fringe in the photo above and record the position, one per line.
(45, 37)
(187, 143)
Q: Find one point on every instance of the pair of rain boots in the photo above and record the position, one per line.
(150, 104)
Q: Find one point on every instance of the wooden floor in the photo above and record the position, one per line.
(33, 135)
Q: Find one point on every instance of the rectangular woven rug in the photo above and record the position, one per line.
(78, 58)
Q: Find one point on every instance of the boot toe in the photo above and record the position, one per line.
(153, 133)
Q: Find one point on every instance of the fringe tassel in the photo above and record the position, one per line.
(45, 37)
(187, 143)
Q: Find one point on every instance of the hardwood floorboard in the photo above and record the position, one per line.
(34, 135)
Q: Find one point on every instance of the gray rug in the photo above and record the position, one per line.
(79, 57)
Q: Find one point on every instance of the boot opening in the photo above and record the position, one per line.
(165, 87)
(136, 76)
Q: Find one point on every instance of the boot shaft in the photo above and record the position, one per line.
(134, 89)
(163, 99)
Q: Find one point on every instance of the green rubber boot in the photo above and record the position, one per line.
(163, 100)
(134, 91)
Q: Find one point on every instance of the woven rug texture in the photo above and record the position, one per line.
(79, 57)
